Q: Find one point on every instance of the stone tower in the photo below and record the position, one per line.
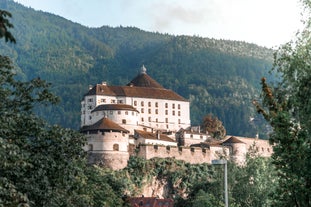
(107, 144)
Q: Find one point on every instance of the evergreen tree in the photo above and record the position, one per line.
(41, 165)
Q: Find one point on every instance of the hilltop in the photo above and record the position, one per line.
(217, 76)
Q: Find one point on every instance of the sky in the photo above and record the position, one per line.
(267, 23)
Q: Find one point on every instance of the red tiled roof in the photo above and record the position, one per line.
(150, 202)
(144, 80)
(104, 124)
(133, 91)
(114, 107)
(150, 135)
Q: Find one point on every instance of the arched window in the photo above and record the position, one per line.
(115, 147)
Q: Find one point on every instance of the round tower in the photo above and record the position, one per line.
(107, 144)
(237, 149)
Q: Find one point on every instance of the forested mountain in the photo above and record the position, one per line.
(218, 76)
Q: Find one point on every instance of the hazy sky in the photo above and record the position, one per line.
(264, 22)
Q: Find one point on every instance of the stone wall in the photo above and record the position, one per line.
(114, 160)
(191, 155)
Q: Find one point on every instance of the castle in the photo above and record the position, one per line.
(144, 119)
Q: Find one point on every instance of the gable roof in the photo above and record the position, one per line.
(133, 91)
(142, 86)
(153, 136)
(104, 124)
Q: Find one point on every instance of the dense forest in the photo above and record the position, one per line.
(217, 76)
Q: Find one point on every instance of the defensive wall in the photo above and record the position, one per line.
(193, 155)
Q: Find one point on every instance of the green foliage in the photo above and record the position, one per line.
(248, 185)
(287, 108)
(252, 183)
(5, 25)
(217, 76)
(41, 164)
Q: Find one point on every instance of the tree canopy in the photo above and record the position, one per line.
(287, 107)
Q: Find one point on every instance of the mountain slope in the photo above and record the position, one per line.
(217, 76)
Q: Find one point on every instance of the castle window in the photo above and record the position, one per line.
(173, 113)
(156, 111)
(142, 110)
(166, 105)
(119, 112)
(135, 103)
(156, 104)
(168, 148)
(173, 106)
(204, 150)
(90, 107)
(201, 136)
(126, 112)
(166, 112)
(90, 147)
(142, 103)
(192, 149)
(149, 111)
(120, 101)
(178, 106)
(178, 121)
(149, 104)
(123, 121)
(166, 120)
(155, 147)
(113, 101)
(142, 119)
(156, 119)
(103, 100)
(180, 149)
(149, 119)
(90, 100)
(191, 135)
(178, 113)
(115, 147)
(90, 117)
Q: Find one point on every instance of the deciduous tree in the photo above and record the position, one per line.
(287, 107)
(213, 126)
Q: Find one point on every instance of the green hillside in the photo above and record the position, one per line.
(217, 76)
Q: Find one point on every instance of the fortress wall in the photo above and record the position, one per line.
(190, 155)
(262, 147)
(106, 141)
(114, 160)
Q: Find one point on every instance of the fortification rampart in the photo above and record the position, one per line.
(193, 155)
